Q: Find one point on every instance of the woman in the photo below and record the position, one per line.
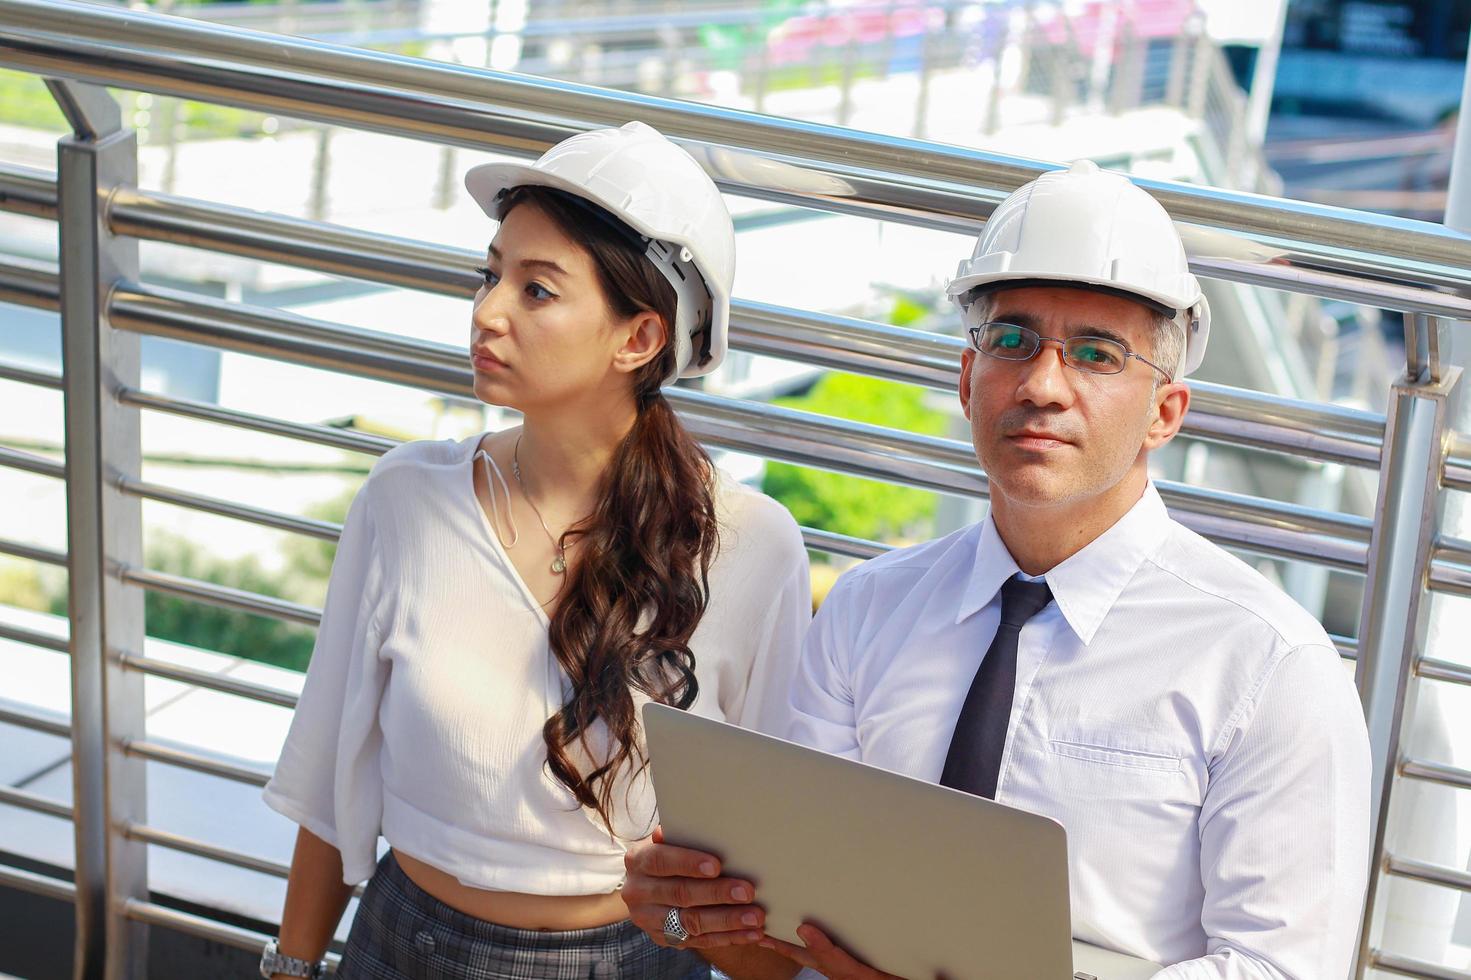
(487, 640)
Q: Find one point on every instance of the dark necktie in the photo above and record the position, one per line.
(973, 763)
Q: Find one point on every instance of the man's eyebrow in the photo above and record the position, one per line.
(1075, 330)
(546, 264)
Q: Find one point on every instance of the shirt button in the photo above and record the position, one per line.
(424, 943)
(604, 970)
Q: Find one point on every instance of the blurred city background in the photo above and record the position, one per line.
(1344, 102)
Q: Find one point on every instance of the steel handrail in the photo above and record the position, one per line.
(1408, 966)
(1266, 241)
(1428, 873)
(1436, 772)
(195, 677)
(171, 755)
(863, 450)
(37, 722)
(30, 552)
(1325, 433)
(324, 530)
(26, 800)
(35, 638)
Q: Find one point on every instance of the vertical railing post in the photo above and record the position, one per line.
(104, 534)
(1395, 616)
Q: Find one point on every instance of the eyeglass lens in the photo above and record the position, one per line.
(1012, 342)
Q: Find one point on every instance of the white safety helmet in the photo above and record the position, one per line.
(660, 192)
(1091, 228)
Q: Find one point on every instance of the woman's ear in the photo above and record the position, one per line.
(643, 336)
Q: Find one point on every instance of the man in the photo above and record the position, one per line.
(1078, 653)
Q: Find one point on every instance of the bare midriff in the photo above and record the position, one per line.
(544, 913)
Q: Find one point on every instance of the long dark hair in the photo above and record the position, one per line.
(641, 580)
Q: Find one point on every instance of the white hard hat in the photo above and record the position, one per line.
(1092, 228)
(659, 191)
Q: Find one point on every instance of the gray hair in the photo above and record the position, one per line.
(1167, 335)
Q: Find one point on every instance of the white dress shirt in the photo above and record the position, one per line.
(421, 717)
(1191, 727)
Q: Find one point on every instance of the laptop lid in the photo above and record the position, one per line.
(915, 879)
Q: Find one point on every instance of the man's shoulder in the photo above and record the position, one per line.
(1235, 591)
(895, 572)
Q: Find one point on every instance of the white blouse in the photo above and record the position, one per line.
(422, 712)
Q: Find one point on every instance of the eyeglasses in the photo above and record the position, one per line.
(1091, 355)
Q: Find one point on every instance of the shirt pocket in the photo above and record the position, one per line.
(1112, 755)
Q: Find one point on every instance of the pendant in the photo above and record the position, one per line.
(559, 565)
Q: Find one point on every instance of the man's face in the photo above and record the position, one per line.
(1049, 435)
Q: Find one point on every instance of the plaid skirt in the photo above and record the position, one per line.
(401, 932)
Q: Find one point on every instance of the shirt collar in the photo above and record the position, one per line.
(1085, 586)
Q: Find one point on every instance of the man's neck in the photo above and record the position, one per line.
(1041, 538)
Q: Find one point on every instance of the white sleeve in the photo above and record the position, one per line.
(327, 778)
(778, 644)
(1284, 831)
(822, 697)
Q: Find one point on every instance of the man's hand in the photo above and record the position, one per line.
(821, 955)
(715, 911)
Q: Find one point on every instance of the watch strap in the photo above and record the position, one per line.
(273, 963)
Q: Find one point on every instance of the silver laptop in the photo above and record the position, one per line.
(915, 879)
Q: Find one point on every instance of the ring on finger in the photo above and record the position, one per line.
(674, 927)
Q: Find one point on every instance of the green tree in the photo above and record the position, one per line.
(849, 504)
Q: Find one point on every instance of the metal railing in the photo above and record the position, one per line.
(102, 215)
(812, 64)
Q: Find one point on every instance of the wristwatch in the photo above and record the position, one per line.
(272, 963)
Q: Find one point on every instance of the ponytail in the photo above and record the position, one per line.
(641, 579)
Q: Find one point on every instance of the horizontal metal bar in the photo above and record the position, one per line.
(332, 249)
(841, 544)
(26, 190)
(322, 435)
(204, 678)
(874, 452)
(37, 884)
(325, 530)
(35, 638)
(1450, 566)
(199, 848)
(1436, 772)
(285, 336)
(1348, 646)
(26, 376)
(1307, 430)
(222, 595)
(1456, 475)
(1406, 966)
(10, 796)
(40, 465)
(202, 927)
(28, 283)
(1269, 241)
(30, 552)
(38, 723)
(185, 759)
(1443, 670)
(1430, 874)
(1324, 432)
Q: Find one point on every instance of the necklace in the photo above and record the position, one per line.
(559, 563)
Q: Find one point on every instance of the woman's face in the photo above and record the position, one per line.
(542, 332)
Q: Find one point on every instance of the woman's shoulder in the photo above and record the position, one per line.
(408, 463)
(749, 519)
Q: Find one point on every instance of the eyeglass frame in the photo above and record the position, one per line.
(975, 342)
